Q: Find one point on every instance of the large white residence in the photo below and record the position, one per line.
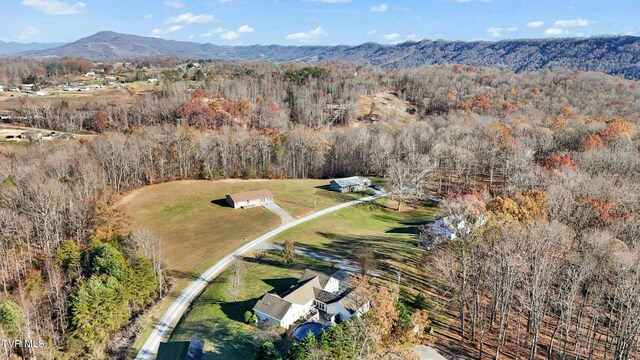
(315, 297)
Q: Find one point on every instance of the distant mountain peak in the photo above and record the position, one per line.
(618, 55)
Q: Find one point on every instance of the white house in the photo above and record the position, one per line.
(249, 198)
(315, 297)
(350, 184)
(152, 81)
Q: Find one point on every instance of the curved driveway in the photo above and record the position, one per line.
(192, 291)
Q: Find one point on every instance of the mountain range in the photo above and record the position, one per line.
(12, 48)
(616, 55)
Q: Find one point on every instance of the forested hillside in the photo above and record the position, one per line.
(618, 55)
(540, 168)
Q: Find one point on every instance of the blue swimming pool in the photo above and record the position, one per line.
(301, 331)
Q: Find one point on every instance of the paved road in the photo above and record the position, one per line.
(164, 328)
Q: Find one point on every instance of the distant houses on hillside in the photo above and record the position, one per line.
(249, 198)
(350, 184)
(315, 297)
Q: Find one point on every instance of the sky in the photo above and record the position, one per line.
(316, 22)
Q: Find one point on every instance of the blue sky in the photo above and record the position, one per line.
(321, 22)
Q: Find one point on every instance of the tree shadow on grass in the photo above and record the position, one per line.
(267, 260)
(235, 310)
(176, 274)
(386, 249)
(229, 341)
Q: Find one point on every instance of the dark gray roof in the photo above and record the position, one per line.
(309, 274)
(273, 306)
(351, 300)
(324, 296)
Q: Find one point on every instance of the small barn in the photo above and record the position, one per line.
(249, 198)
(350, 184)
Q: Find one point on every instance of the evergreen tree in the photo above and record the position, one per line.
(11, 319)
(268, 351)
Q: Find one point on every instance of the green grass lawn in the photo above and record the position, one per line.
(220, 321)
(198, 229)
(196, 226)
(391, 233)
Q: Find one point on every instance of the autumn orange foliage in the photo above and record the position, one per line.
(593, 141)
(606, 209)
(558, 160)
(526, 206)
(616, 127)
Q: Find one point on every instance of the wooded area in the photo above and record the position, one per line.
(541, 169)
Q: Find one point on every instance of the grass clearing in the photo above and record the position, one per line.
(198, 229)
(391, 233)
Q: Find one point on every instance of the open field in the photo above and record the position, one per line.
(198, 229)
(110, 94)
(390, 233)
(196, 226)
(220, 321)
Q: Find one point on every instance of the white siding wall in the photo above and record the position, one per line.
(265, 317)
(295, 312)
(337, 308)
(332, 285)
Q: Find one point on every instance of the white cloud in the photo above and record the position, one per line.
(55, 7)
(148, 16)
(512, 29)
(535, 24)
(224, 1)
(191, 36)
(330, 1)
(495, 31)
(229, 35)
(170, 29)
(379, 8)
(463, 1)
(391, 37)
(571, 23)
(176, 4)
(189, 18)
(27, 32)
(217, 30)
(372, 32)
(308, 35)
(411, 37)
(245, 29)
(554, 32)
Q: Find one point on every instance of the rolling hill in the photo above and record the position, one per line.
(617, 55)
(12, 48)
